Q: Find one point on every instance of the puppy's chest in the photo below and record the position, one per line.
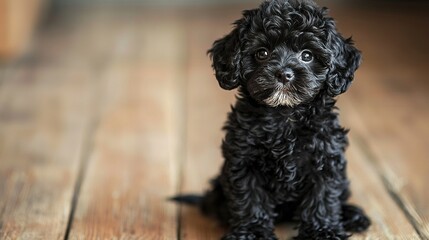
(278, 141)
(282, 160)
(284, 147)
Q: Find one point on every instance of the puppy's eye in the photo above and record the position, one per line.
(262, 54)
(306, 56)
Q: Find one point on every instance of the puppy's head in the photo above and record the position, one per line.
(284, 53)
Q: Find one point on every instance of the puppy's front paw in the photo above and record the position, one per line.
(354, 219)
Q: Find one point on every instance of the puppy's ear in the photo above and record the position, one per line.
(226, 56)
(345, 59)
(226, 53)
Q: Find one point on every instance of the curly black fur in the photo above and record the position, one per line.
(284, 146)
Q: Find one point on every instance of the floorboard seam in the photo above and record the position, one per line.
(181, 160)
(372, 159)
(182, 146)
(88, 144)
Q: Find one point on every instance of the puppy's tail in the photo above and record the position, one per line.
(189, 199)
(212, 203)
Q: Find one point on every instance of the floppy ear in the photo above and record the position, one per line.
(345, 59)
(226, 52)
(226, 56)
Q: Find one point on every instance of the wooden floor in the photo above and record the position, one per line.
(116, 108)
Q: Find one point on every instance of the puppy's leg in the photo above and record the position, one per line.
(250, 207)
(353, 218)
(321, 211)
(214, 203)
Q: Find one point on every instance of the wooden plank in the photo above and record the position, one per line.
(398, 149)
(134, 165)
(369, 192)
(48, 103)
(43, 128)
(207, 107)
(388, 105)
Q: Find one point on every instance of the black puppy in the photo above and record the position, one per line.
(284, 146)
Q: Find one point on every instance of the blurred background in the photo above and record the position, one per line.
(108, 107)
(20, 18)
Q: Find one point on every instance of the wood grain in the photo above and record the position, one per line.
(133, 167)
(397, 150)
(43, 128)
(368, 191)
(388, 106)
(206, 105)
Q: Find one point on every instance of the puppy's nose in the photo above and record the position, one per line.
(285, 75)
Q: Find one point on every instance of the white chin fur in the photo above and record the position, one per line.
(282, 98)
